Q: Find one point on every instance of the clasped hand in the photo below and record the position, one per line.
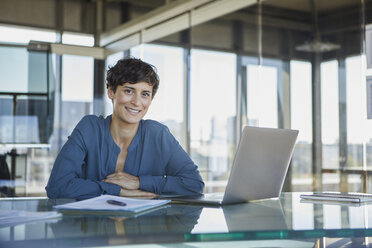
(129, 184)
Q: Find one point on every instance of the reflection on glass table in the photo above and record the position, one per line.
(287, 219)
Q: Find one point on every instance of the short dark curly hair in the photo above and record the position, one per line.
(132, 70)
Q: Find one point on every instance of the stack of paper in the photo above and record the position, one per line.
(100, 203)
(15, 217)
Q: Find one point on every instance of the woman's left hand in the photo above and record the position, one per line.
(124, 180)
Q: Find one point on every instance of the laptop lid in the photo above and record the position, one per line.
(259, 169)
(260, 165)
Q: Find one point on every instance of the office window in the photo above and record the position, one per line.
(262, 96)
(110, 61)
(330, 114)
(213, 111)
(359, 128)
(330, 122)
(77, 91)
(168, 105)
(23, 71)
(22, 115)
(11, 34)
(77, 78)
(113, 58)
(13, 69)
(77, 39)
(76, 101)
(301, 119)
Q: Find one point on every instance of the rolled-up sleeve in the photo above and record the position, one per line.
(181, 175)
(67, 179)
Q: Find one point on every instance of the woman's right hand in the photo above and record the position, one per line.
(124, 180)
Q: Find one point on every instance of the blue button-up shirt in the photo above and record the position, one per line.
(90, 155)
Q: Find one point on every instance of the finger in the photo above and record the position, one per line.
(112, 178)
(114, 181)
(129, 176)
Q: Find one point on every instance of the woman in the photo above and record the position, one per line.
(123, 154)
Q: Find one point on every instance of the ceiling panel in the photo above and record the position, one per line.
(304, 5)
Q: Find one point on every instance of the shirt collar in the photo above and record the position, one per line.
(135, 140)
(137, 137)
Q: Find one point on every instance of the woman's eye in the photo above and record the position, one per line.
(146, 94)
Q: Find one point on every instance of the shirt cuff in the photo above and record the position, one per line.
(146, 183)
(110, 189)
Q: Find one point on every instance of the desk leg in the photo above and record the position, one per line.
(320, 243)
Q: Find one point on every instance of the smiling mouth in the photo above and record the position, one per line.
(134, 111)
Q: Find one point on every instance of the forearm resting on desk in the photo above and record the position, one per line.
(129, 184)
(79, 188)
(124, 180)
(136, 193)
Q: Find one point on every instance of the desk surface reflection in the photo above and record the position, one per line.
(285, 218)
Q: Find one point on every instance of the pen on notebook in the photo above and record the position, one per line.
(117, 203)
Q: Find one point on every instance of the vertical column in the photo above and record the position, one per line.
(124, 12)
(99, 64)
(58, 100)
(244, 97)
(99, 84)
(317, 132)
(342, 124)
(240, 95)
(98, 28)
(59, 16)
(186, 39)
(284, 110)
(259, 31)
(284, 84)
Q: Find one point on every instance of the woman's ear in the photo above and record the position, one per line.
(110, 93)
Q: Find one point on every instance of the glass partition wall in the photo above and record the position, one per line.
(213, 114)
(286, 64)
(299, 65)
(42, 97)
(169, 103)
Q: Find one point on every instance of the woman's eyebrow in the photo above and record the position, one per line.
(132, 88)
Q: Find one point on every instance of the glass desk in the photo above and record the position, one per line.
(287, 219)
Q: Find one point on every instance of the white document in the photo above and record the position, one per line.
(100, 203)
(15, 217)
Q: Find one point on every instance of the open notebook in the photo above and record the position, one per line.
(101, 204)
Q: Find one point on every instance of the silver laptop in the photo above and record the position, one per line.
(259, 169)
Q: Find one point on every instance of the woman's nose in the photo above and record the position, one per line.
(135, 100)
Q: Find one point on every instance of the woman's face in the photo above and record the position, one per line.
(131, 101)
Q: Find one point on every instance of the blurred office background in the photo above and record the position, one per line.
(223, 64)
